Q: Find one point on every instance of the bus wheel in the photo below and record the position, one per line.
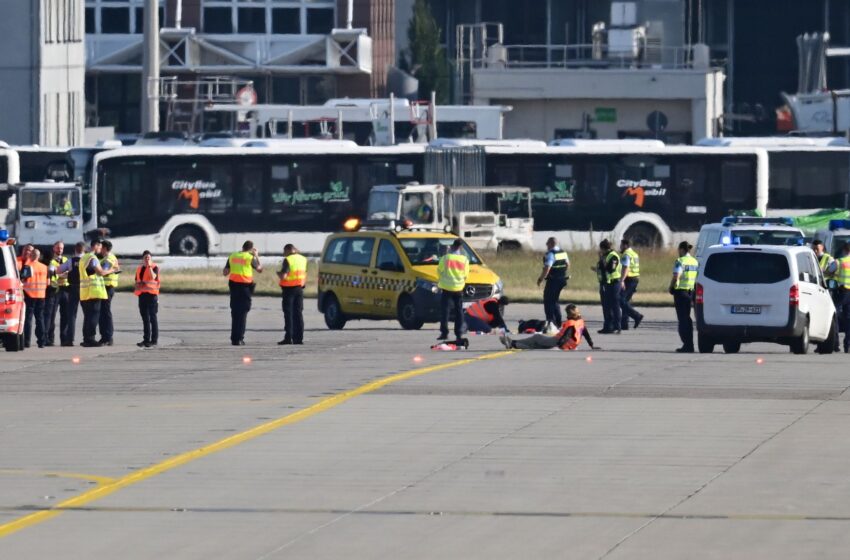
(644, 235)
(187, 241)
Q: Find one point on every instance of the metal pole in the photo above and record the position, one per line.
(349, 20)
(178, 15)
(150, 68)
(433, 126)
(392, 120)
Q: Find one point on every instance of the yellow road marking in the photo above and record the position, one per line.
(107, 488)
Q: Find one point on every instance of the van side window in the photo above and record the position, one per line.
(388, 258)
(806, 269)
(336, 251)
(360, 251)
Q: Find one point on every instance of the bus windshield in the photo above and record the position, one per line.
(768, 237)
(428, 250)
(50, 202)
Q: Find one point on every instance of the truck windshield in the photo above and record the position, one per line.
(428, 250)
(418, 207)
(514, 205)
(768, 237)
(383, 205)
(50, 202)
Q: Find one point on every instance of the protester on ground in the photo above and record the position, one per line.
(486, 314)
(567, 338)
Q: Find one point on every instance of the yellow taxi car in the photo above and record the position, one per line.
(385, 274)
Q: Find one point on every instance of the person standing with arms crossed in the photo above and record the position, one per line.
(147, 289)
(239, 270)
(630, 261)
(556, 264)
(109, 263)
(92, 293)
(293, 278)
(682, 289)
(453, 270)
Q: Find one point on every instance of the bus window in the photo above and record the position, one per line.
(736, 184)
(690, 185)
(250, 194)
(124, 195)
(312, 194)
(199, 186)
(593, 189)
(504, 173)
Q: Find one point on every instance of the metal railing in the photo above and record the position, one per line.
(584, 56)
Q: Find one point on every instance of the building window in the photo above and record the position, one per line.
(118, 16)
(269, 17)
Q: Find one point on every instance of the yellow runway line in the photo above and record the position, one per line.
(107, 488)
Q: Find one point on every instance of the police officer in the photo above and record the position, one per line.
(629, 283)
(147, 289)
(109, 263)
(71, 270)
(453, 269)
(293, 278)
(57, 294)
(35, 292)
(842, 299)
(682, 289)
(556, 263)
(828, 265)
(239, 270)
(612, 273)
(92, 293)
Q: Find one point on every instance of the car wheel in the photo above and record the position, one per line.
(334, 318)
(705, 344)
(801, 345)
(731, 347)
(187, 241)
(829, 345)
(407, 316)
(10, 342)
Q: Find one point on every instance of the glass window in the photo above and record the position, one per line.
(383, 205)
(360, 251)
(140, 19)
(286, 21)
(737, 183)
(124, 193)
(336, 250)
(269, 16)
(690, 183)
(218, 20)
(115, 20)
(388, 257)
(747, 267)
(428, 250)
(203, 187)
(592, 190)
(768, 237)
(320, 21)
(49, 202)
(418, 207)
(806, 268)
(250, 195)
(252, 20)
(90, 21)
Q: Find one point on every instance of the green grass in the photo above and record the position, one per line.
(518, 271)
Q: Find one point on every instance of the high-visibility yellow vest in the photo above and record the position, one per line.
(55, 280)
(634, 262)
(611, 277)
(824, 262)
(67, 208)
(296, 273)
(91, 287)
(453, 270)
(241, 270)
(110, 281)
(842, 275)
(688, 277)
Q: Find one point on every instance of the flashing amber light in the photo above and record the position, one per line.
(407, 224)
(351, 224)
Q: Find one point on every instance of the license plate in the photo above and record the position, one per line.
(747, 309)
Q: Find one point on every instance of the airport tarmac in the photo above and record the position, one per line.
(366, 444)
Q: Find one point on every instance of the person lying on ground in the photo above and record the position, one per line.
(568, 338)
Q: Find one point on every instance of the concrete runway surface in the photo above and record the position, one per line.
(365, 444)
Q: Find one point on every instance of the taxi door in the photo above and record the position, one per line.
(389, 278)
(356, 297)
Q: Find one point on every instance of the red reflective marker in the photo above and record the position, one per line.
(759, 361)
(417, 359)
(246, 360)
(589, 359)
(75, 360)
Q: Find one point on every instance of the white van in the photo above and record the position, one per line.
(835, 237)
(763, 293)
(745, 230)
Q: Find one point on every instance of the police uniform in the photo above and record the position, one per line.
(106, 326)
(292, 297)
(241, 283)
(686, 267)
(453, 269)
(842, 298)
(68, 326)
(557, 261)
(611, 311)
(630, 261)
(57, 299)
(92, 295)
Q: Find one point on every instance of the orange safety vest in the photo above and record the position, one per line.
(578, 326)
(241, 269)
(36, 285)
(478, 310)
(144, 283)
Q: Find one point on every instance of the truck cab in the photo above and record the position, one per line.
(487, 218)
(48, 212)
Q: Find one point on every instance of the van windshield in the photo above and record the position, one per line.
(768, 237)
(428, 250)
(746, 267)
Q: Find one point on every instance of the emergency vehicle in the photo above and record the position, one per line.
(12, 304)
(388, 274)
(835, 237)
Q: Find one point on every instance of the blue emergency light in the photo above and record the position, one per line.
(839, 224)
(753, 220)
(4, 235)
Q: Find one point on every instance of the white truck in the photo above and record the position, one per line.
(47, 212)
(487, 218)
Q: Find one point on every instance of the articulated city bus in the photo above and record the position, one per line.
(190, 201)
(195, 201)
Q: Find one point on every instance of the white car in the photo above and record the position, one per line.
(763, 293)
(745, 230)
